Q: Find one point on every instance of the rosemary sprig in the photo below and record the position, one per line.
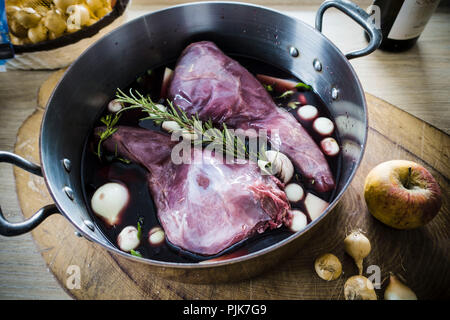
(135, 253)
(268, 87)
(303, 86)
(109, 121)
(222, 140)
(286, 94)
(139, 230)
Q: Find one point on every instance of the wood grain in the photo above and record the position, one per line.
(415, 81)
(415, 255)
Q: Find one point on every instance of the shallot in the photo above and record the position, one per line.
(396, 290)
(358, 247)
(330, 146)
(38, 33)
(114, 106)
(55, 23)
(27, 17)
(156, 236)
(359, 288)
(109, 201)
(328, 267)
(128, 239)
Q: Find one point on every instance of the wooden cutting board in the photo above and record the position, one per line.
(421, 256)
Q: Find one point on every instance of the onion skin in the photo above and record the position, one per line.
(396, 290)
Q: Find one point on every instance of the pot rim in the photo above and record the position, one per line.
(250, 256)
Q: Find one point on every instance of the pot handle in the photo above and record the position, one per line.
(358, 15)
(13, 229)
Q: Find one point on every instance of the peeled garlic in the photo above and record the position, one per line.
(294, 192)
(128, 239)
(358, 247)
(328, 267)
(114, 106)
(109, 201)
(156, 236)
(396, 290)
(359, 288)
(298, 221)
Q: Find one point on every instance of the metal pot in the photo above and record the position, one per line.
(159, 37)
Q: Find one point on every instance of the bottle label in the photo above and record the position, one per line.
(412, 18)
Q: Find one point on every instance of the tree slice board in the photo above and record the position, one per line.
(421, 256)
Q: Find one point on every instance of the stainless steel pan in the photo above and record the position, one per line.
(159, 37)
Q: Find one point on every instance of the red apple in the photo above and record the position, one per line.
(402, 194)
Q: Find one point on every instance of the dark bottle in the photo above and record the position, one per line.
(401, 21)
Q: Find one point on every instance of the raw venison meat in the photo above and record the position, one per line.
(209, 83)
(206, 206)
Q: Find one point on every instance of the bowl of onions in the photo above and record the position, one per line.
(50, 34)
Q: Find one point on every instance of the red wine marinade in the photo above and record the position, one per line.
(141, 206)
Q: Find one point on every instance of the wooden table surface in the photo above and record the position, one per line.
(415, 81)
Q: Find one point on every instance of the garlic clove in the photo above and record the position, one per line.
(294, 192)
(156, 236)
(298, 221)
(109, 201)
(330, 146)
(127, 239)
(114, 106)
